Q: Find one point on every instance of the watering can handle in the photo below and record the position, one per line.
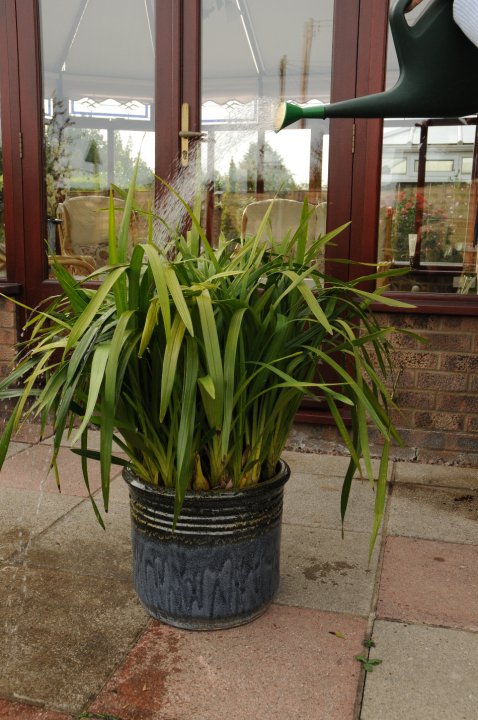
(406, 38)
(402, 37)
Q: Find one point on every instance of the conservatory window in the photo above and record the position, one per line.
(429, 201)
(98, 112)
(3, 265)
(246, 70)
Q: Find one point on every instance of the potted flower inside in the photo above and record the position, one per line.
(194, 360)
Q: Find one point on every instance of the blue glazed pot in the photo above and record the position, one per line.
(220, 567)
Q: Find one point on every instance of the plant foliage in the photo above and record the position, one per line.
(194, 360)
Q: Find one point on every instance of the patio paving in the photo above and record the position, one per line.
(75, 641)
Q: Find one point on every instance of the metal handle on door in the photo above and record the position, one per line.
(186, 135)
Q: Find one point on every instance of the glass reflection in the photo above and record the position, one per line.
(98, 114)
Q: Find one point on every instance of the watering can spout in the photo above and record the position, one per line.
(438, 74)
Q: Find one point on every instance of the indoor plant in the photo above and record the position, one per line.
(194, 361)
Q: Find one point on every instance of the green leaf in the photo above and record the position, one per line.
(158, 266)
(98, 366)
(108, 410)
(212, 352)
(150, 323)
(185, 452)
(178, 298)
(86, 317)
(207, 383)
(170, 364)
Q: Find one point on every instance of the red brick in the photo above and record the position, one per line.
(8, 336)
(7, 318)
(450, 341)
(418, 400)
(471, 424)
(460, 324)
(439, 421)
(453, 402)
(459, 362)
(468, 444)
(406, 378)
(442, 381)
(417, 359)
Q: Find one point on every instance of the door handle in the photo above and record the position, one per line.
(186, 134)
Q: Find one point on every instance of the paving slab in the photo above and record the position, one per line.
(315, 501)
(426, 673)
(79, 544)
(19, 711)
(29, 470)
(434, 583)
(284, 666)
(434, 513)
(24, 514)
(63, 635)
(429, 474)
(93, 442)
(16, 447)
(30, 432)
(321, 570)
(324, 465)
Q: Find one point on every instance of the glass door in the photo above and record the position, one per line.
(254, 54)
(98, 62)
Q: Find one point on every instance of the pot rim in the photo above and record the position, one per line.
(279, 479)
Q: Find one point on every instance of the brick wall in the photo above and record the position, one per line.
(8, 335)
(436, 393)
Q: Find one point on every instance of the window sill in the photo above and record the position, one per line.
(9, 288)
(432, 303)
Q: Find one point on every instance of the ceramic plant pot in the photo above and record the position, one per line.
(220, 566)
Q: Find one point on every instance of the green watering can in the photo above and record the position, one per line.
(438, 74)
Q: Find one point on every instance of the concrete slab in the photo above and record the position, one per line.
(430, 582)
(63, 635)
(427, 673)
(25, 514)
(315, 501)
(444, 475)
(29, 470)
(324, 465)
(285, 665)
(320, 570)
(30, 432)
(19, 711)
(93, 442)
(77, 543)
(118, 491)
(16, 447)
(434, 513)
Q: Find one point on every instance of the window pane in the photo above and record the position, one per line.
(98, 113)
(429, 200)
(3, 267)
(248, 65)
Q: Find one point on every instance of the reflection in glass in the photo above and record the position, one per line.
(3, 263)
(247, 68)
(98, 114)
(428, 201)
(427, 213)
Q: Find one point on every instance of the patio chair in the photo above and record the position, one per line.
(284, 219)
(83, 232)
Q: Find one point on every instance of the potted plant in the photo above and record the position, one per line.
(194, 360)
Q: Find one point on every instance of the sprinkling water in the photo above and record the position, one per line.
(225, 139)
